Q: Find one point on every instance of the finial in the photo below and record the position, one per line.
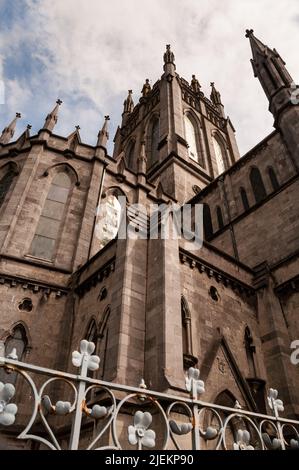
(9, 131)
(169, 55)
(77, 127)
(249, 33)
(128, 103)
(215, 95)
(52, 118)
(29, 127)
(103, 135)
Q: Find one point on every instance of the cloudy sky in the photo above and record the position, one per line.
(90, 52)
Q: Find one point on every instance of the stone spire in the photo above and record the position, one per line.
(8, 132)
(129, 103)
(169, 65)
(216, 99)
(103, 135)
(52, 118)
(215, 95)
(279, 88)
(269, 68)
(128, 107)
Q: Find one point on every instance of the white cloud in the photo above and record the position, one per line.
(94, 50)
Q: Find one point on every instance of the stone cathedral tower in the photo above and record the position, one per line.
(155, 307)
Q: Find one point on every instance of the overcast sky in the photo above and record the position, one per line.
(90, 52)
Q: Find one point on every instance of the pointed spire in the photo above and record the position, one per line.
(24, 137)
(74, 139)
(8, 132)
(129, 103)
(215, 95)
(273, 75)
(52, 118)
(268, 66)
(103, 135)
(216, 99)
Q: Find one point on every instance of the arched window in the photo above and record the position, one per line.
(5, 182)
(49, 225)
(219, 154)
(273, 179)
(192, 138)
(130, 154)
(250, 351)
(257, 185)
(154, 141)
(244, 198)
(92, 333)
(219, 217)
(207, 222)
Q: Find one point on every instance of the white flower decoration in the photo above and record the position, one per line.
(7, 411)
(61, 408)
(139, 433)
(86, 350)
(273, 401)
(96, 412)
(271, 443)
(243, 439)
(193, 378)
(180, 429)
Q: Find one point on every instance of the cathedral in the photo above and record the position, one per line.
(155, 307)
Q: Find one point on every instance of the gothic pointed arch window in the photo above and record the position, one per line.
(153, 141)
(207, 222)
(257, 185)
(219, 151)
(7, 175)
(50, 222)
(273, 178)
(219, 217)
(130, 154)
(244, 198)
(92, 332)
(192, 138)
